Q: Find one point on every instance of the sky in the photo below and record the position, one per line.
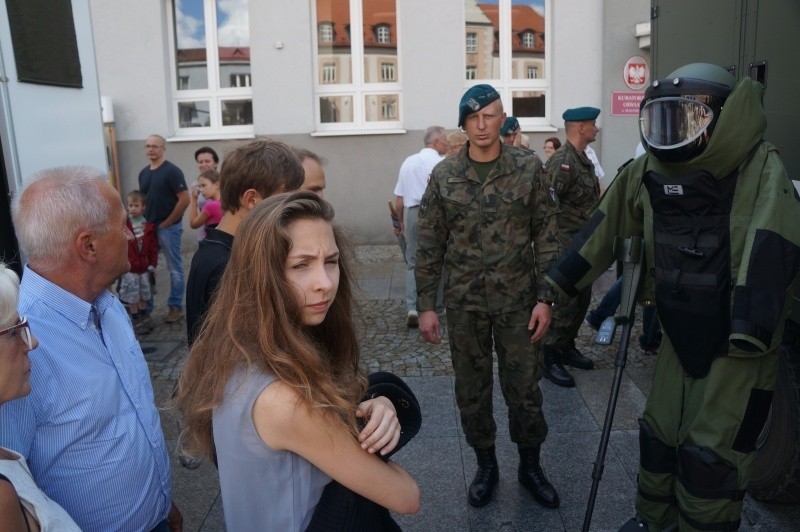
(537, 5)
(231, 22)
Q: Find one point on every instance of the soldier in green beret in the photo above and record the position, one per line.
(573, 193)
(480, 214)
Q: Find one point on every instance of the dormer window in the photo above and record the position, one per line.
(528, 40)
(382, 34)
(326, 32)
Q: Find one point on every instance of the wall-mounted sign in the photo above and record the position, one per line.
(625, 103)
(636, 73)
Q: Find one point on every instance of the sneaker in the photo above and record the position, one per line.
(174, 315)
(412, 319)
(187, 460)
(190, 462)
(633, 525)
(143, 326)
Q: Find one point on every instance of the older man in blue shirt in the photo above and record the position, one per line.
(89, 429)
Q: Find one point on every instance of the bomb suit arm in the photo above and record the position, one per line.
(620, 213)
(770, 258)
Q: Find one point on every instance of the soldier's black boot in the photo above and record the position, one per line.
(531, 475)
(572, 357)
(553, 370)
(482, 487)
(632, 525)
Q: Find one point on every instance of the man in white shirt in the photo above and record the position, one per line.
(411, 183)
(598, 170)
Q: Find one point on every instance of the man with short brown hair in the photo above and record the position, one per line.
(249, 174)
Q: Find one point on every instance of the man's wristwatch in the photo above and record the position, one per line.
(545, 301)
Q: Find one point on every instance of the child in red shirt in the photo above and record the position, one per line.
(135, 289)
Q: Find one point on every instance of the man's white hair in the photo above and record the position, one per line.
(55, 205)
(431, 134)
(9, 293)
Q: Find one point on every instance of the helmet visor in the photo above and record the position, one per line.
(672, 122)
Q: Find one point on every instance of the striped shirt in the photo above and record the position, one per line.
(89, 429)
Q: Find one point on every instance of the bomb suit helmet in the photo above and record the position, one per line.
(678, 114)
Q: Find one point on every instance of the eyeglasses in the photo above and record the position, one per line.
(22, 329)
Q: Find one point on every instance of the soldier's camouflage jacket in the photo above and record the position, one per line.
(574, 190)
(479, 235)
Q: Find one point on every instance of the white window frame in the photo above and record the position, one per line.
(387, 109)
(325, 30)
(383, 34)
(213, 95)
(241, 79)
(471, 72)
(531, 69)
(528, 39)
(387, 71)
(328, 73)
(506, 85)
(472, 42)
(358, 90)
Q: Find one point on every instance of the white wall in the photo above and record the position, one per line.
(44, 126)
(283, 86)
(132, 43)
(620, 133)
(577, 52)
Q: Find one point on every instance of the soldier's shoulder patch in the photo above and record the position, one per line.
(565, 167)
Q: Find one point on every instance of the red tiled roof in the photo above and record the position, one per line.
(226, 54)
(523, 18)
(377, 12)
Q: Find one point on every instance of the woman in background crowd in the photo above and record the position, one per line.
(551, 144)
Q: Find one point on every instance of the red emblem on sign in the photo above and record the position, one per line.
(635, 73)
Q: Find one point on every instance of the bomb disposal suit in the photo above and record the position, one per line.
(721, 224)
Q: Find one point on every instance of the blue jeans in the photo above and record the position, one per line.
(607, 307)
(169, 240)
(412, 236)
(411, 233)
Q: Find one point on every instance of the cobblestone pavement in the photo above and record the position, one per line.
(438, 457)
(386, 343)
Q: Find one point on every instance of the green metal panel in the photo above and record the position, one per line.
(743, 34)
(694, 31)
(770, 25)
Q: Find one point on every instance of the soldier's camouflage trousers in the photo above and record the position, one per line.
(568, 315)
(697, 440)
(471, 337)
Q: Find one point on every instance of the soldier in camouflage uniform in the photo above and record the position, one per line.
(573, 193)
(478, 218)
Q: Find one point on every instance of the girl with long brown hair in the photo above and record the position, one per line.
(276, 367)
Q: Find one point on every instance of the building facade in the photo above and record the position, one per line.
(356, 81)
